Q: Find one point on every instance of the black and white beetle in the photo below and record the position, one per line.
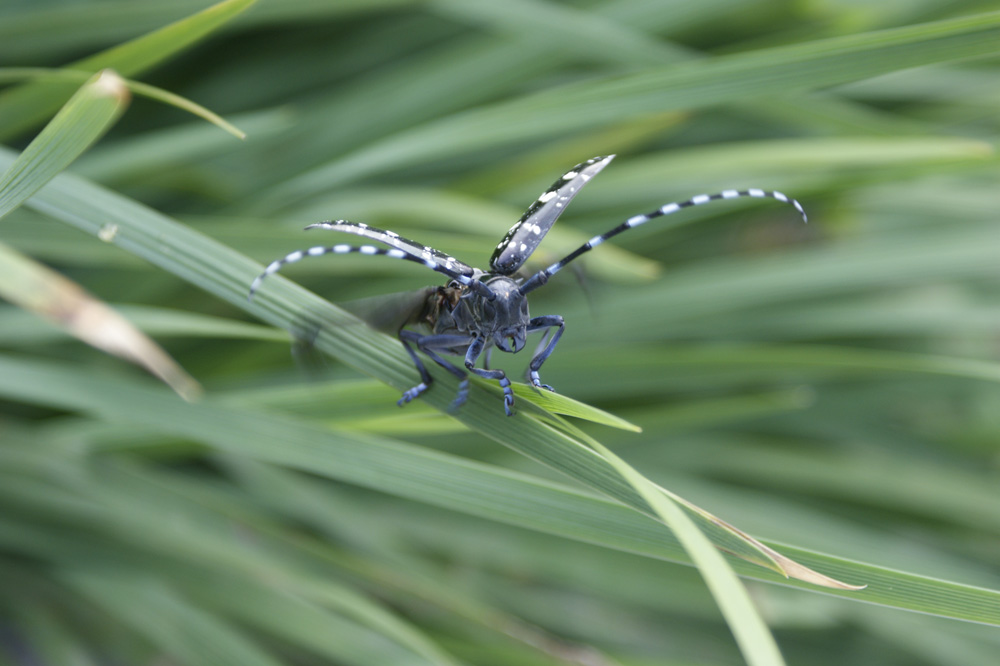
(478, 309)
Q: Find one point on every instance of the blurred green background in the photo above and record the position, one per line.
(831, 386)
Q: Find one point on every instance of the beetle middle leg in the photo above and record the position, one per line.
(427, 344)
(472, 355)
(536, 324)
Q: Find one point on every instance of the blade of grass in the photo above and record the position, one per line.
(168, 620)
(754, 161)
(725, 536)
(29, 104)
(80, 123)
(561, 404)
(304, 622)
(567, 29)
(450, 482)
(136, 87)
(726, 79)
(52, 639)
(302, 583)
(41, 29)
(125, 508)
(756, 361)
(53, 297)
(333, 511)
(175, 147)
(755, 640)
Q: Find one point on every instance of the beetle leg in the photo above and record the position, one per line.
(427, 344)
(547, 322)
(425, 378)
(472, 355)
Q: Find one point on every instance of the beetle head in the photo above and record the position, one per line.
(505, 319)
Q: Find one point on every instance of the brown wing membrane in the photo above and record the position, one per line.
(391, 312)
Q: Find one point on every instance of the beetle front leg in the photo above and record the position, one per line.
(472, 355)
(538, 323)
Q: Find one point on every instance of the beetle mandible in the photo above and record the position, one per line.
(477, 309)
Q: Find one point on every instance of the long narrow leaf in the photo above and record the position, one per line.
(136, 87)
(27, 105)
(451, 482)
(751, 632)
(726, 79)
(49, 295)
(174, 625)
(81, 122)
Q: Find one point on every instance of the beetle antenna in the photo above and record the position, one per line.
(541, 277)
(275, 266)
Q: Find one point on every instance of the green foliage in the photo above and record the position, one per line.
(831, 389)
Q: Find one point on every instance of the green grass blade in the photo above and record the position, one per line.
(752, 634)
(40, 29)
(561, 404)
(127, 506)
(160, 95)
(177, 627)
(27, 105)
(450, 482)
(78, 125)
(726, 79)
(304, 622)
(136, 87)
(565, 29)
(49, 295)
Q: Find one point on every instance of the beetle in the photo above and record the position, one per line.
(477, 310)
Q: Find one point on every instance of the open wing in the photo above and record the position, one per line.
(392, 239)
(527, 234)
(390, 312)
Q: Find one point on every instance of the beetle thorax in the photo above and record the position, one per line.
(504, 320)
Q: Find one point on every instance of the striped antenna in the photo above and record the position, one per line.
(541, 277)
(395, 253)
(392, 239)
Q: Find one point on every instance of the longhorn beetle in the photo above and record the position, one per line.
(479, 309)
